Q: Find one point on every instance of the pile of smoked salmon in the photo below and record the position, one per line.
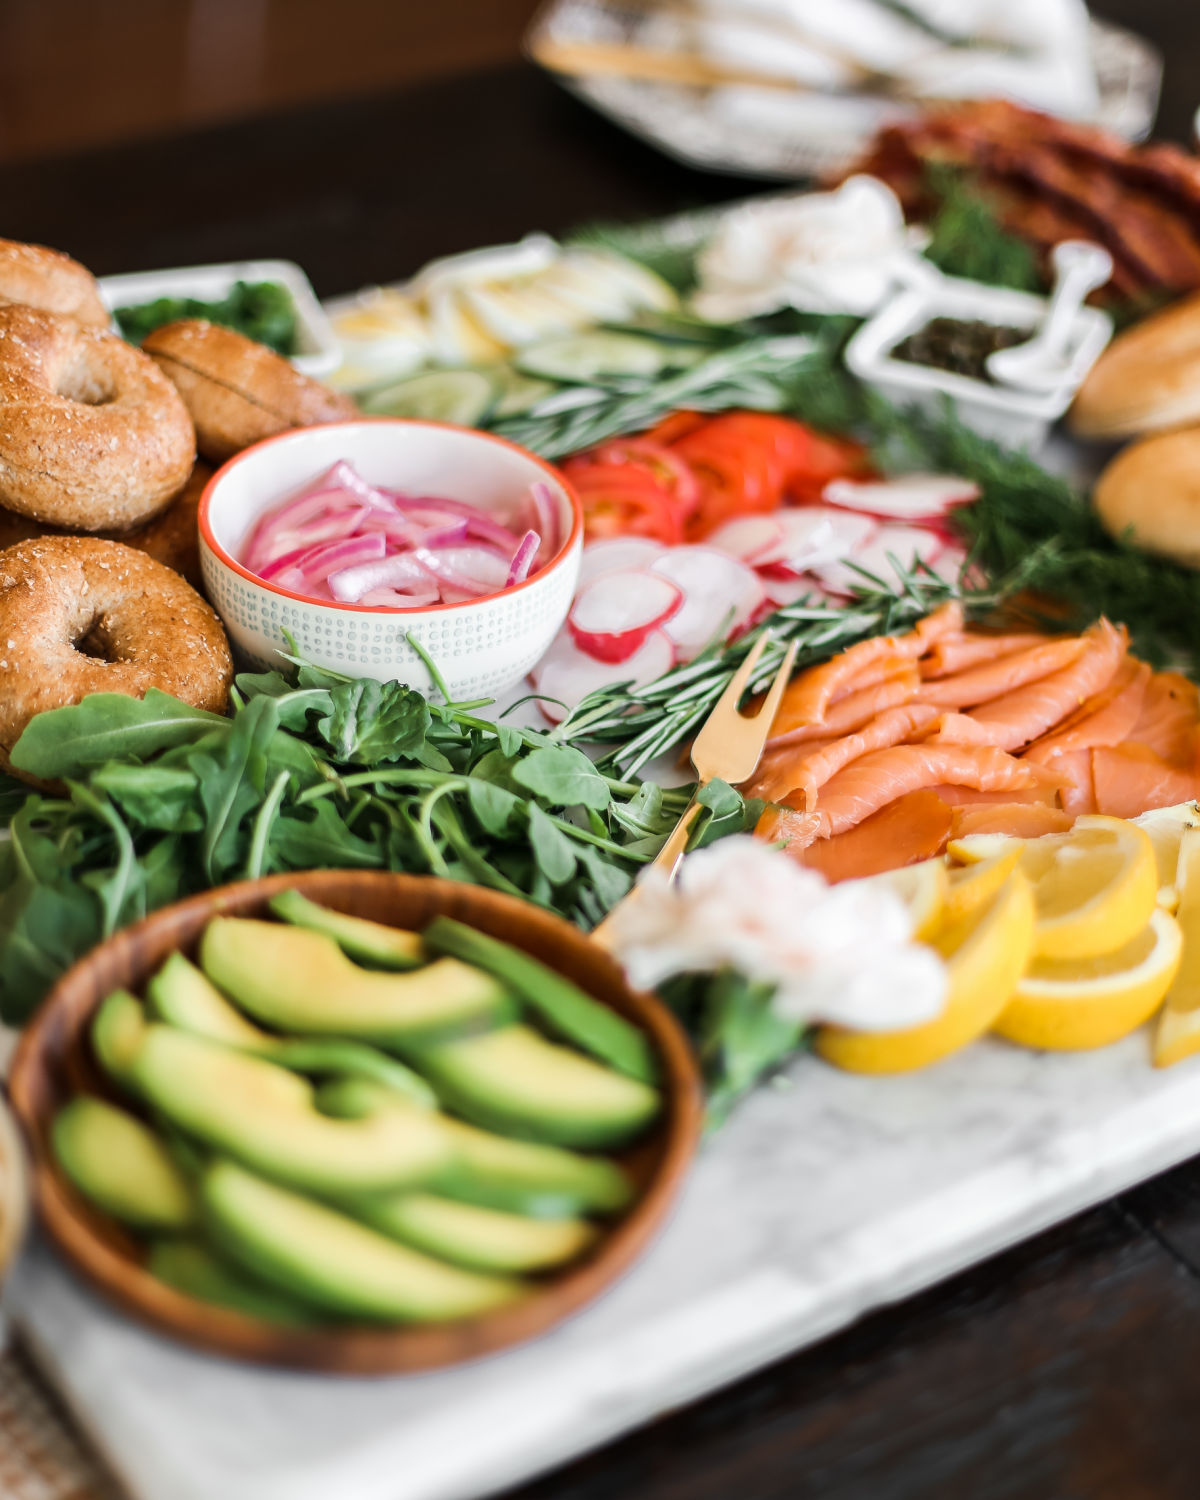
(882, 754)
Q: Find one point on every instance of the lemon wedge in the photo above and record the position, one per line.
(922, 887)
(1177, 1036)
(1075, 1003)
(972, 886)
(1095, 887)
(977, 847)
(1165, 826)
(1184, 994)
(985, 957)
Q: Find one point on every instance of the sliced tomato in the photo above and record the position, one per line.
(676, 426)
(621, 500)
(663, 464)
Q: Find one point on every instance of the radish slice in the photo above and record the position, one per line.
(814, 535)
(616, 555)
(782, 591)
(720, 594)
(612, 617)
(906, 544)
(912, 497)
(568, 674)
(748, 537)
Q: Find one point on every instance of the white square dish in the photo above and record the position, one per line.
(1015, 418)
(317, 349)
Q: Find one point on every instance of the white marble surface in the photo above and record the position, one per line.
(824, 1197)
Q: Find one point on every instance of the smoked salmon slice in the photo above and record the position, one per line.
(1017, 718)
(1019, 820)
(912, 828)
(807, 771)
(853, 709)
(782, 825)
(1078, 793)
(959, 653)
(1167, 722)
(1132, 779)
(1107, 718)
(809, 696)
(990, 679)
(874, 780)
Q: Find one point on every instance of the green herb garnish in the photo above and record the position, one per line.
(262, 310)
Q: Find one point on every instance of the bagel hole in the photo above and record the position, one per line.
(93, 642)
(82, 381)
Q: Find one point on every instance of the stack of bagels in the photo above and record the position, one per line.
(100, 484)
(1146, 386)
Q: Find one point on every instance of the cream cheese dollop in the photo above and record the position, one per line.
(836, 252)
(842, 954)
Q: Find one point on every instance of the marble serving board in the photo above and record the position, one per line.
(825, 1196)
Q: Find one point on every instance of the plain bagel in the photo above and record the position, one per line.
(237, 391)
(79, 615)
(92, 435)
(34, 276)
(1147, 380)
(1150, 495)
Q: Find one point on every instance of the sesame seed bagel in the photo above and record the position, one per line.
(92, 435)
(79, 615)
(238, 391)
(47, 279)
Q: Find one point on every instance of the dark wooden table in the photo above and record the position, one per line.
(1066, 1369)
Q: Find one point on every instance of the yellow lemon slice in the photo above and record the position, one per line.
(922, 888)
(977, 847)
(985, 957)
(1177, 1036)
(1095, 887)
(1165, 826)
(1075, 1003)
(1184, 994)
(972, 886)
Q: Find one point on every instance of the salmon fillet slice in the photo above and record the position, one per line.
(1167, 722)
(1133, 778)
(1078, 794)
(874, 780)
(1106, 718)
(958, 729)
(912, 828)
(809, 696)
(807, 771)
(992, 679)
(1019, 820)
(1020, 717)
(1041, 794)
(853, 709)
(959, 653)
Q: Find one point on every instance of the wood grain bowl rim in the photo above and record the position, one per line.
(106, 1255)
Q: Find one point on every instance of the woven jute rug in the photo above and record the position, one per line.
(41, 1457)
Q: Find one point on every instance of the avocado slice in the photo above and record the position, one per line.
(302, 981)
(121, 1166)
(193, 1269)
(482, 1239)
(562, 1006)
(368, 942)
(324, 1257)
(265, 1116)
(117, 1030)
(496, 1172)
(513, 1080)
(181, 995)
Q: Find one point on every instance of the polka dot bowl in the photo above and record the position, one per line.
(480, 647)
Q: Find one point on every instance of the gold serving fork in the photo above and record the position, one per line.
(730, 746)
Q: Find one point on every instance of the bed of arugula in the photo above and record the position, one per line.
(155, 800)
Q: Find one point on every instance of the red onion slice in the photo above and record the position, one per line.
(522, 561)
(399, 571)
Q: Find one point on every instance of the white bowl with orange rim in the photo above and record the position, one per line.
(480, 645)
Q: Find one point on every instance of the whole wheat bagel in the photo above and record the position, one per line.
(171, 537)
(47, 279)
(92, 435)
(1147, 380)
(237, 391)
(80, 615)
(1150, 495)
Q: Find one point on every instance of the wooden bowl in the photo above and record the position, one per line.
(14, 1189)
(54, 1061)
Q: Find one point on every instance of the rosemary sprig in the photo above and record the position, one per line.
(758, 374)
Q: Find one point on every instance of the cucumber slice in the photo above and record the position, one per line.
(461, 397)
(590, 358)
(519, 393)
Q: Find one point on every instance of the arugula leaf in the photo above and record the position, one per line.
(165, 797)
(320, 840)
(372, 722)
(553, 850)
(232, 782)
(492, 804)
(562, 776)
(68, 742)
